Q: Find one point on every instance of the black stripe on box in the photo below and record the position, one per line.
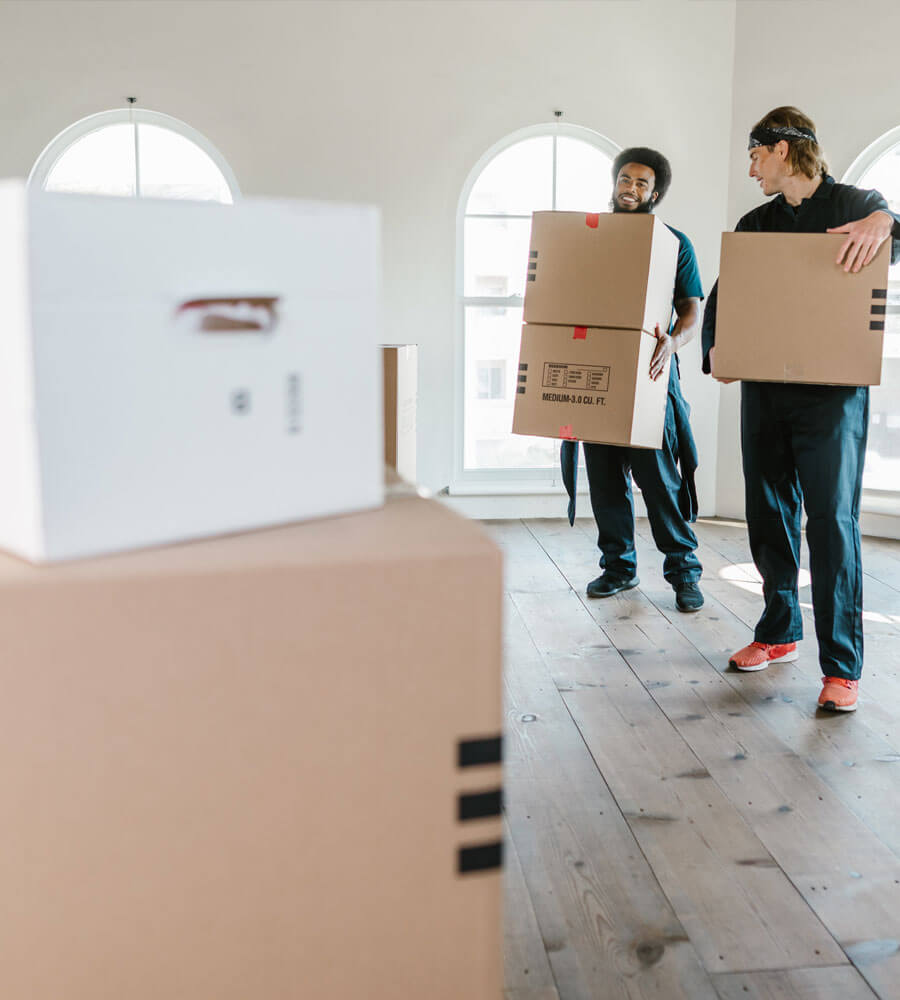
(472, 753)
(533, 254)
(876, 324)
(523, 378)
(481, 858)
(523, 366)
(879, 310)
(478, 805)
(879, 293)
(532, 277)
(520, 390)
(532, 265)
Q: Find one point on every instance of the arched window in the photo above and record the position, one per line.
(879, 167)
(135, 153)
(561, 167)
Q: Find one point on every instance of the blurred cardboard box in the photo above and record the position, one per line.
(601, 270)
(170, 370)
(400, 403)
(788, 313)
(258, 766)
(591, 385)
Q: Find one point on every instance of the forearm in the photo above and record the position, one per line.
(683, 334)
(709, 326)
(687, 324)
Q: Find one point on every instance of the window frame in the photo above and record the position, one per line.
(57, 146)
(875, 501)
(510, 481)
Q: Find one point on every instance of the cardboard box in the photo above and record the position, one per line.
(400, 402)
(591, 385)
(170, 369)
(262, 766)
(607, 270)
(788, 313)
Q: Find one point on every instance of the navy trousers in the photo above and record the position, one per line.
(610, 468)
(805, 445)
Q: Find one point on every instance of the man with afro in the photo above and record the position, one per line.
(665, 476)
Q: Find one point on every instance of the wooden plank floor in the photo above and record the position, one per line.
(677, 829)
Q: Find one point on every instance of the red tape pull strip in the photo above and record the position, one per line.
(592, 219)
(565, 431)
(580, 333)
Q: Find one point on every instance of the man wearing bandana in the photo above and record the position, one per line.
(806, 444)
(641, 177)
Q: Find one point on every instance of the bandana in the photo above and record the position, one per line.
(762, 136)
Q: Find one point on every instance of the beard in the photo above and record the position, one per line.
(644, 207)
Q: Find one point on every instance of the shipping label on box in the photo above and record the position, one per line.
(788, 313)
(600, 270)
(590, 384)
(171, 369)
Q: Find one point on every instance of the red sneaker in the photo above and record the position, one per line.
(838, 694)
(758, 655)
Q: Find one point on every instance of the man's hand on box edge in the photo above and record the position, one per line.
(661, 354)
(864, 237)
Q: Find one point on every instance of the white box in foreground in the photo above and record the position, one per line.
(171, 370)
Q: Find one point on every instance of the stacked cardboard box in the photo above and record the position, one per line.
(787, 312)
(258, 766)
(170, 370)
(265, 765)
(598, 285)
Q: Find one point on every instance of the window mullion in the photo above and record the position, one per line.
(506, 302)
(137, 159)
(499, 216)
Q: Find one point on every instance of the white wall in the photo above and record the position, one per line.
(836, 61)
(393, 103)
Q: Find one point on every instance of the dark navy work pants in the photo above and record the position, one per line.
(806, 445)
(609, 470)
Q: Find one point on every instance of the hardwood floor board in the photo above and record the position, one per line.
(738, 915)
(524, 570)
(526, 967)
(812, 796)
(607, 927)
(881, 601)
(575, 557)
(881, 559)
(844, 872)
(738, 907)
(857, 756)
(525, 993)
(842, 983)
(717, 630)
(728, 538)
(560, 623)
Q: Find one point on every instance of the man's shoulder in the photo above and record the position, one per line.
(757, 218)
(850, 192)
(852, 203)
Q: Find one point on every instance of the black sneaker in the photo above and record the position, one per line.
(606, 585)
(688, 597)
